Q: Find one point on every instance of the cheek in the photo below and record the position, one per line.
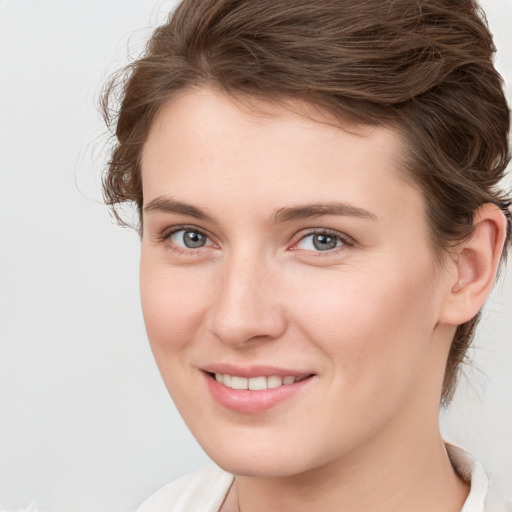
(173, 304)
(374, 326)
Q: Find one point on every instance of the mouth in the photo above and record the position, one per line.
(257, 389)
(258, 383)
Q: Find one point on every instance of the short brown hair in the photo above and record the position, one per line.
(423, 67)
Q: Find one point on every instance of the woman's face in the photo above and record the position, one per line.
(289, 256)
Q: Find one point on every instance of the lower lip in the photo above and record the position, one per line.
(252, 402)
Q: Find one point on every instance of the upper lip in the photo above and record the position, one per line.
(253, 370)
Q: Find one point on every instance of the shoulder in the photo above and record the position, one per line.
(204, 489)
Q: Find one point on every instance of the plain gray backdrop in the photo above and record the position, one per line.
(85, 422)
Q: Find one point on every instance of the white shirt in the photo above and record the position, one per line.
(205, 490)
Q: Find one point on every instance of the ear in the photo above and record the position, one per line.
(475, 264)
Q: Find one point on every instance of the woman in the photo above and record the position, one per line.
(321, 223)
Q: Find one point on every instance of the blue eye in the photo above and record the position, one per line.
(320, 242)
(188, 238)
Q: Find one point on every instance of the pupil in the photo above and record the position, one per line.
(324, 242)
(193, 239)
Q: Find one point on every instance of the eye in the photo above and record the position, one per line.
(189, 238)
(321, 241)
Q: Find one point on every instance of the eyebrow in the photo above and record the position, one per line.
(285, 214)
(164, 205)
(306, 211)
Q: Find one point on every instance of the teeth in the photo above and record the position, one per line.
(239, 383)
(274, 382)
(256, 383)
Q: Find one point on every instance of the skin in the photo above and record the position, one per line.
(372, 318)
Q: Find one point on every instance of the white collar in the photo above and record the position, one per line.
(473, 473)
(480, 497)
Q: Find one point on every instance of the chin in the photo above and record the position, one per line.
(274, 457)
(270, 468)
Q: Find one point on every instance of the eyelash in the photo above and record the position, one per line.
(346, 242)
(344, 239)
(167, 235)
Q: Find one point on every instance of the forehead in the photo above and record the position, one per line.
(208, 106)
(204, 143)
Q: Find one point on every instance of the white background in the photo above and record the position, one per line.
(85, 422)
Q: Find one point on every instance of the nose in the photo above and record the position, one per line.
(246, 306)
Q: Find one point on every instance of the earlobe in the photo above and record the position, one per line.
(476, 263)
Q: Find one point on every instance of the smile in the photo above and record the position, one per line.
(257, 383)
(257, 390)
